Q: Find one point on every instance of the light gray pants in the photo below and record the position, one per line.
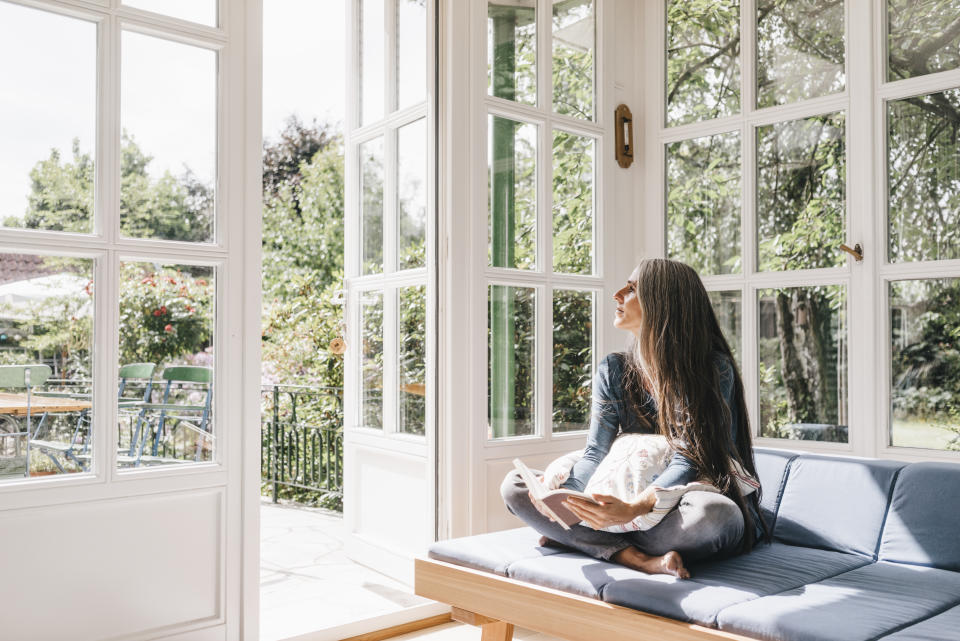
(703, 525)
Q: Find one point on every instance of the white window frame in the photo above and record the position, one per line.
(468, 460)
(542, 279)
(235, 252)
(863, 102)
(390, 279)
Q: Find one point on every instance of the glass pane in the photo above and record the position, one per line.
(412, 194)
(373, 33)
(572, 359)
(412, 366)
(728, 307)
(371, 359)
(169, 147)
(46, 321)
(922, 37)
(703, 60)
(801, 193)
(166, 359)
(923, 177)
(803, 363)
(573, 179)
(202, 11)
(512, 352)
(925, 363)
(513, 193)
(574, 43)
(371, 204)
(800, 50)
(703, 203)
(512, 50)
(48, 104)
(411, 52)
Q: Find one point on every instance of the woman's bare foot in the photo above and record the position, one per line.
(669, 563)
(544, 542)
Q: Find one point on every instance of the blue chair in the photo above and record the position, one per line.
(172, 416)
(20, 377)
(135, 407)
(78, 452)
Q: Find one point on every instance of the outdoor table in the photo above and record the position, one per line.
(16, 404)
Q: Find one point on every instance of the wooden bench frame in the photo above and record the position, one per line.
(497, 603)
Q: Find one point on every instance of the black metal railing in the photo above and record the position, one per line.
(301, 451)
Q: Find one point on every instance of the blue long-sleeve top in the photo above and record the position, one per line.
(611, 411)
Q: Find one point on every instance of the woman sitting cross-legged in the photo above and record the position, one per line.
(677, 379)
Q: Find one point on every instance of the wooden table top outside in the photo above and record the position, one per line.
(16, 404)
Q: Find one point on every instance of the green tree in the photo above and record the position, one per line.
(302, 208)
(169, 207)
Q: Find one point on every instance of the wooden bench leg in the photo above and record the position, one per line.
(490, 629)
(497, 631)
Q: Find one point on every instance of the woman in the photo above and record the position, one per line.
(678, 379)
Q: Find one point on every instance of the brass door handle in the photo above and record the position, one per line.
(856, 252)
(623, 133)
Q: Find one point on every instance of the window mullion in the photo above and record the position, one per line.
(544, 57)
(105, 428)
(543, 380)
(390, 223)
(867, 421)
(390, 56)
(748, 257)
(107, 185)
(391, 385)
(748, 56)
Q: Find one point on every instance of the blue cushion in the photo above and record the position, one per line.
(715, 585)
(571, 572)
(936, 628)
(854, 606)
(771, 469)
(923, 523)
(835, 503)
(492, 552)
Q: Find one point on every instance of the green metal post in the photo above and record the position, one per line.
(502, 205)
(274, 435)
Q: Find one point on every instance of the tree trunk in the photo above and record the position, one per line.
(801, 407)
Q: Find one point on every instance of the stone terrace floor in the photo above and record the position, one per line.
(307, 583)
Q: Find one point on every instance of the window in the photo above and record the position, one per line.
(764, 132)
(542, 278)
(120, 292)
(388, 143)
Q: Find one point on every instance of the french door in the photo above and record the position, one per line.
(129, 258)
(390, 385)
(530, 246)
(802, 157)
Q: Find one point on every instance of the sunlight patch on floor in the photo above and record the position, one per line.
(307, 583)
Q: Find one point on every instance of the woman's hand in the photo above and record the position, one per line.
(611, 511)
(536, 504)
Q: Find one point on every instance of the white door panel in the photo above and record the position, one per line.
(389, 381)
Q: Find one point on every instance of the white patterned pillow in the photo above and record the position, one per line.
(633, 464)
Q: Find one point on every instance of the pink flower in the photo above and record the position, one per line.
(168, 328)
(163, 309)
(157, 312)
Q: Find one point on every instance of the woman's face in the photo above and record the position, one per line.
(629, 315)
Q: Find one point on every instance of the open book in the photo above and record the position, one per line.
(550, 501)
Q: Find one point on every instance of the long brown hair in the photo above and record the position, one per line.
(673, 360)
